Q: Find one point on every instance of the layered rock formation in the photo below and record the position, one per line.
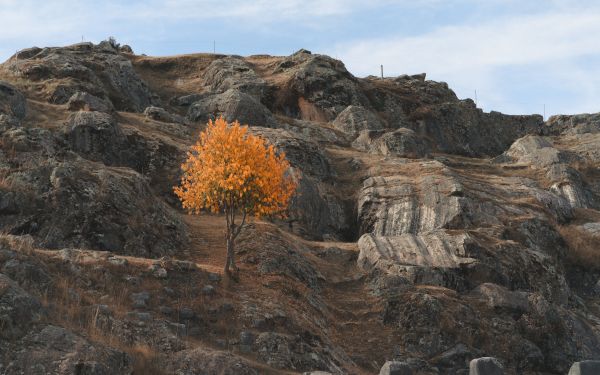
(426, 236)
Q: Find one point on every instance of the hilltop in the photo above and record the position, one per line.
(425, 230)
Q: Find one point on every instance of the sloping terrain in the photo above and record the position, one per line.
(424, 229)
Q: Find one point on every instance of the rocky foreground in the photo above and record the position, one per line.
(425, 232)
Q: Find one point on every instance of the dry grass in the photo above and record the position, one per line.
(583, 248)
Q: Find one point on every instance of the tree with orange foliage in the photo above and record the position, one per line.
(231, 171)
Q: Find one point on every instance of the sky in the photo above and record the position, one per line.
(513, 56)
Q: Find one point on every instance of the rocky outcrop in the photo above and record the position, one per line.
(95, 135)
(355, 119)
(390, 206)
(12, 102)
(401, 142)
(233, 72)
(58, 351)
(100, 208)
(82, 101)
(209, 362)
(316, 87)
(490, 134)
(99, 70)
(233, 105)
(585, 368)
(573, 124)
(161, 114)
(486, 366)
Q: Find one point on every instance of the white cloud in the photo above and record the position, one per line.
(470, 57)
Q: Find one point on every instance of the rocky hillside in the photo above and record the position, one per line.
(425, 231)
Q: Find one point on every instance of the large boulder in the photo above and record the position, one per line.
(395, 368)
(95, 135)
(486, 366)
(391, 205)
(402, 142)
(573, 124)
(83, 101)
(19, 311)
(161, 114)
(585, 368)
(234, 73)
(232, 105)
(355, 119)
(12, 102)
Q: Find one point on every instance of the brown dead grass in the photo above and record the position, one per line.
(583, 248)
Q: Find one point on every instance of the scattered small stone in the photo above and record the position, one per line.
(247, 339)
(160, 273)
(226, 308)
(166, 310)
(169, 291)
(140, 299)
(133, 280)
(185, 313)
(208, 290)
(486, 366)
(214, 277)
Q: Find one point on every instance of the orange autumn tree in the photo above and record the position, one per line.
(233, 172)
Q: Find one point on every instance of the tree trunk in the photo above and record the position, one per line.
(230, 264)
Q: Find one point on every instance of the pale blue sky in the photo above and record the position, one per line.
(517, 54)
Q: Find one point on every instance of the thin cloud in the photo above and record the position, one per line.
(471, 56)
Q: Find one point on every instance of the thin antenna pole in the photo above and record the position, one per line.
(214, 47)
(382, 71)
(544, 111)
(475, 98)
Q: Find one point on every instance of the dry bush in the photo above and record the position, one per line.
(583, 248)
(21, 244)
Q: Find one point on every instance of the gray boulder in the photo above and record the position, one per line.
(234, 73)
(585, 368)
(55, 350)
(499, 297)
(395, 368)
(486, 366)
(95, 135)
(12, 102)
(161, 114)
(19, 311)
(83, 101)
(402, 142)
(232, 105)
(355, 119)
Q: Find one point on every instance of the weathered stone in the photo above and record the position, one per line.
(161, 114)
(485, 366)
(585, 368)
(501, 298)
(234, 73)
(395, 368)
(98, 70)
(19, 311)
(401, 142)
(355, 119)
(95, 135)
(83, 101)
(232, 105)
(207, 361)
(12, 102)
